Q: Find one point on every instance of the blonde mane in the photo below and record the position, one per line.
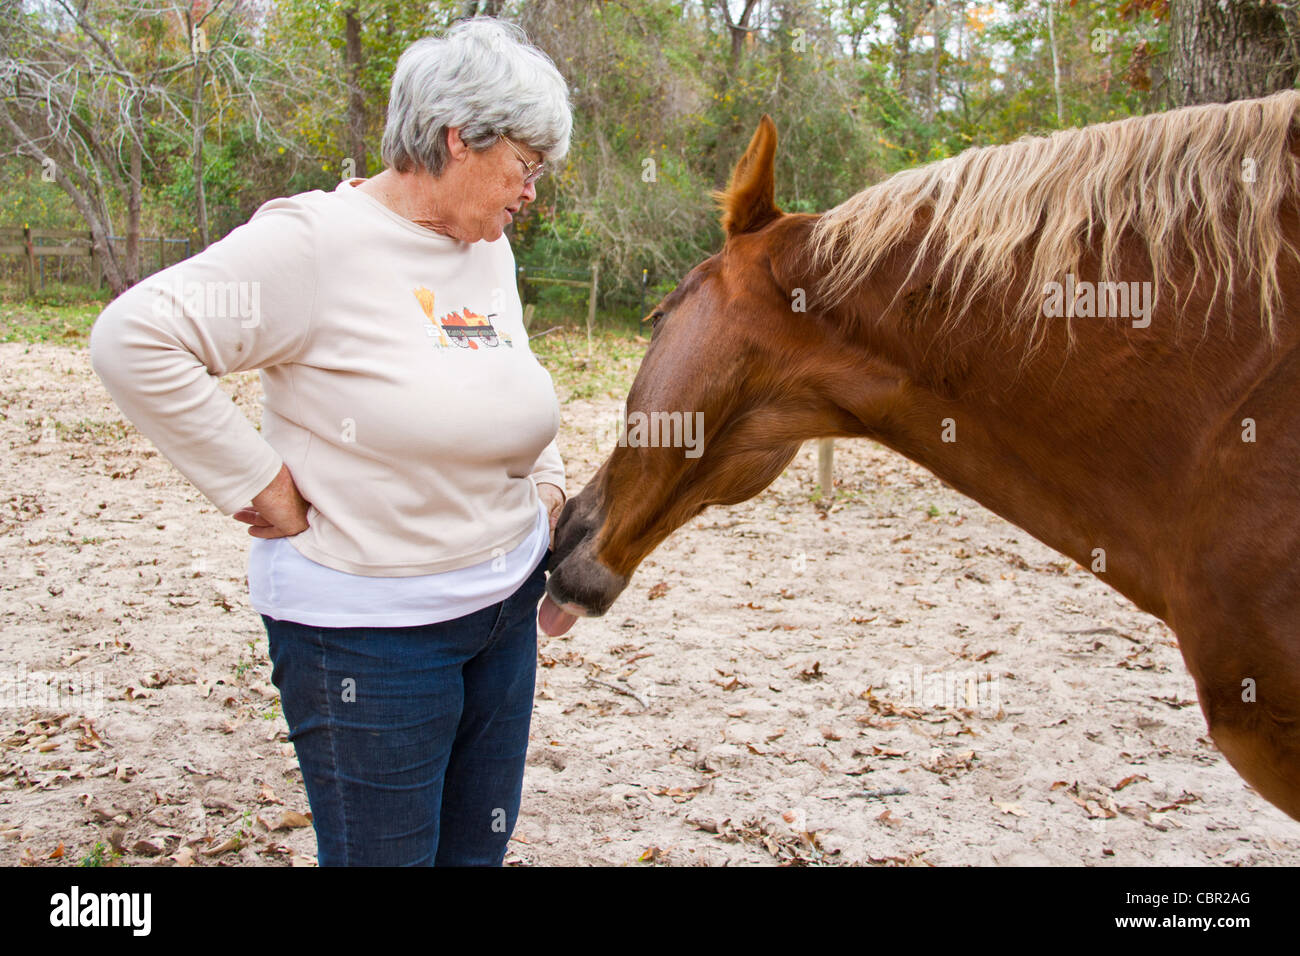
(1205, 183)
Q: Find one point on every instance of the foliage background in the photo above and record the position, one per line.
(858, 89)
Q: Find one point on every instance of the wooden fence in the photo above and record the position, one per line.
(35, 246)
(568, 277)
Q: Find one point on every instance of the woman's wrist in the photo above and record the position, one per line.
(551, 484)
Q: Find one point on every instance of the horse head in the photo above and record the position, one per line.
(725, 395)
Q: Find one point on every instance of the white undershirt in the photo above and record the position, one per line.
(284, 585)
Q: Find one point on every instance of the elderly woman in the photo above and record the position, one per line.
(406, 482)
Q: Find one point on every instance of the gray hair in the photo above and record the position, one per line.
(483, 77)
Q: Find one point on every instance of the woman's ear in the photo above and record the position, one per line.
(456, 147)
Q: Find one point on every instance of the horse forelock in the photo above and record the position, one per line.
(1204, 182)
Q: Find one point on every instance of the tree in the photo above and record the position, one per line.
(204, 36)
(97, 94)
(1049, 5)
(1222, 50)
(76, 104)
(356, 95)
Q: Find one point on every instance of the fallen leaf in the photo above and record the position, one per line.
(267, 795)
(292, 819)
(812, 673)
(677, 793)
(147, 847)
(226, 847)
(1131, 778)
(183, 857)
(1174, 702)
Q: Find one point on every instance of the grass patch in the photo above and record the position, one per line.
(92, 431)
(100, 855)
(61, 315)
(615, 357)
(64, 316)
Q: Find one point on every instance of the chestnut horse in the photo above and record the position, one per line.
(957, 314)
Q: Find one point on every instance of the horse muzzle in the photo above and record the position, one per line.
(578, 584)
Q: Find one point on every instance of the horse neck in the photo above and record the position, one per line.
(1089, 445)
(1073, 443)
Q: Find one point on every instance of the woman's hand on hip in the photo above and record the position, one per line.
(279, 511)
(553, 498)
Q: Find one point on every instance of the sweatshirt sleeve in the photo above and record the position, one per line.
(245, 302)
(550, 468)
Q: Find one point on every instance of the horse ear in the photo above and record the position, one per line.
(749, 201)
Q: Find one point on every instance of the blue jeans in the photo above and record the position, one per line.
(412, 740)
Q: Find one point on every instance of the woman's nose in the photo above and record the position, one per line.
(530, 192)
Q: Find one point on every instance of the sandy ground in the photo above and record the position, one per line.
(905, 680)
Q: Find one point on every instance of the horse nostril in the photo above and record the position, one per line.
(571, 530)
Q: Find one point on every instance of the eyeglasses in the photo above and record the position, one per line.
(533, 170)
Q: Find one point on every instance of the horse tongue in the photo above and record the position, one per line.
(551, 619)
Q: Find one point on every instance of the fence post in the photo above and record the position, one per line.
(31, 259)
(825, 462)
(591, 301)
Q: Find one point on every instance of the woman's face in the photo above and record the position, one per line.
(494, 190)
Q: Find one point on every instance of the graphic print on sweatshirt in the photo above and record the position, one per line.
(464, 327)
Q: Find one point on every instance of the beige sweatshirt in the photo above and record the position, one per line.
(399, 386)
